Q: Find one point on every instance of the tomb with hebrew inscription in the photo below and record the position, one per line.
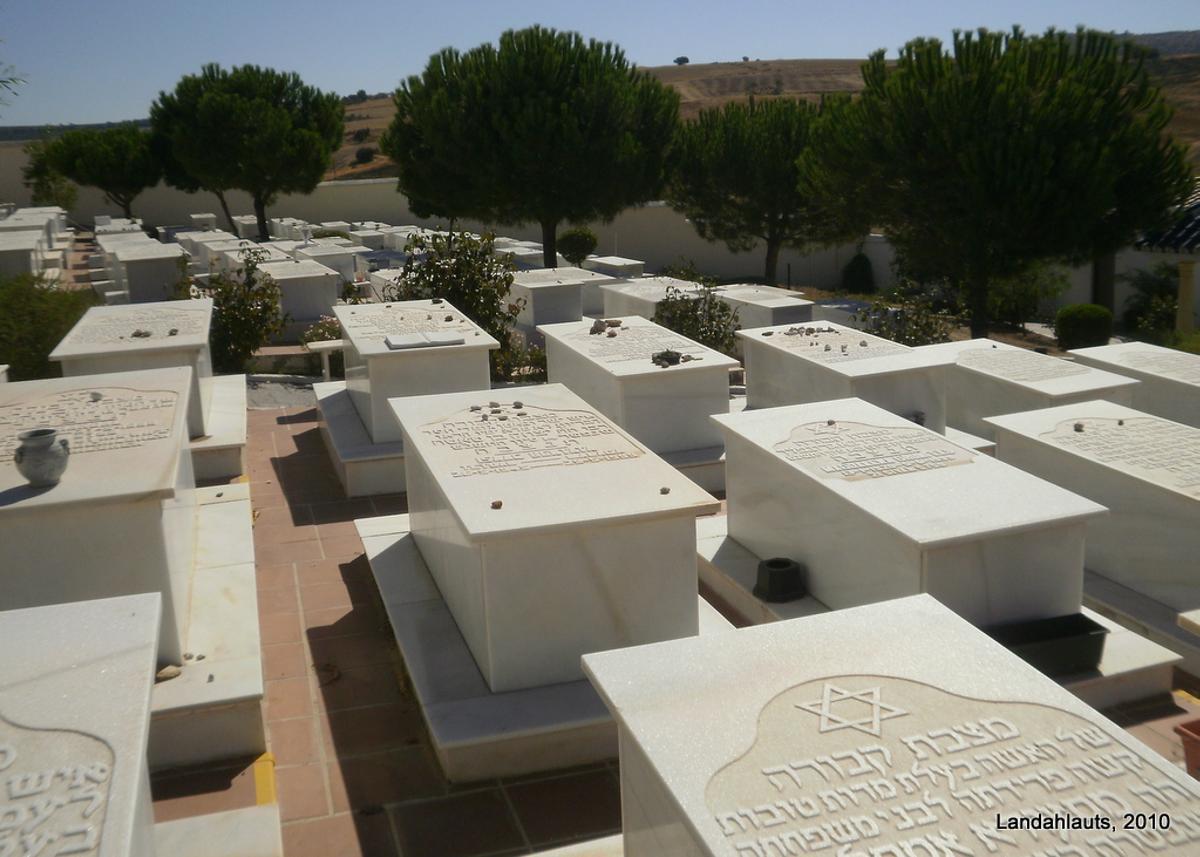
(819, 361)
(876, 507)
(400, 348)
(658, 385)
(642, 296)
(1144, 468)
(552, 295)
(1169, 379)
(874, 742)
(985, 378)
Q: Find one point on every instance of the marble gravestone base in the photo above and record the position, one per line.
(75, 684)
(1169, 379)
(877, 507)
(874, 742)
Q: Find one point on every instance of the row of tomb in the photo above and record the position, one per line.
(542, 587)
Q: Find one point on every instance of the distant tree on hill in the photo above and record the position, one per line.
(543, 127)
(735, 176)
(681, 60)
(119, 161)
(252, 129)
(1005, 151)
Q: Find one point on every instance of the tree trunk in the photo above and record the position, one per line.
(225, 208)
(977, 304)
(1104, 277)
(260, 211)
(549, 243)
(127, 207)
(769, 272)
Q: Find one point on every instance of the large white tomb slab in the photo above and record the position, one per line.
(409, 348)
(149, 271)
(765, 306)
(877, 507)
(553, 295)
(665, 406)
(855, 733)
(549, 531)
(203, 221)
(616, 266)
(145, 336)
(75, 684)
(344, 260)
(819, 361)
(641, 297)
(1170, 379)
(308, 289)
(985, 378)
(383, 282)
(246, 225)
(123, 518)
(232, 260)
(21, 252)
(1145, 469)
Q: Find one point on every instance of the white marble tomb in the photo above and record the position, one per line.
(616, 266)
(553, 295)
(148, 271)
(985, 378)
(308, 289)
(145, 336)
(819, 361)
(75, 684)
(1169, 379)
(877, 507)
(641, 297)
(123, 518)
(605, 559)
(1145, 469)
(666, 408)
(766, 306)
(873, 742)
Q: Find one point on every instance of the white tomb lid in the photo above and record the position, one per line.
(1144, 358)
(104, 330)
(208, 236)
(1117, 438)
(843, 349)
(295, 269)
(628, 351)
(927, 489)
(1021, 367)
(652, 288)
(553, 462)
(614, 260)
(75, 684)
(368, 326)
(22, 239)
(767, 296)
(873, 726)
(135, 251)
(123, 428)
(539, 278)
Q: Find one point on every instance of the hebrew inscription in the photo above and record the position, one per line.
(1177, 365)
(874, 766)
(628, 344)
(140, 326)
(491, 438)
(92, 419)
(383, 320)
(54, 788)
(830, 345)
(1158, 450)
(854, 451)
(1019, 364)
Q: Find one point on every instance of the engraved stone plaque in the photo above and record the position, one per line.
(488, 440)
(152, 326)
(854, 451)
(1176, 365)
(877, 765)
(54, 786)
(631, 343)
(1158, 450)
(834, 345)
(1019, 365)
(93, 419)
(380, 321)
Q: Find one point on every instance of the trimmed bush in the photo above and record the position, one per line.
(858, 277)
(576, 244)
(1083, 325)
(364, 154)
(33, 318)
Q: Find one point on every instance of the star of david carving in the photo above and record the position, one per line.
(869, 724)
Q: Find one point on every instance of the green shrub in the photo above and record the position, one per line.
(910, 320)
(576, 244)
(1149, 312)
(462, 270)
(858, 277)
(1016, 300)
(1083, 325)
(364, 154)
(34, 317)
(1189, 343)
(703, 318)
(324, 330)
(246, 314)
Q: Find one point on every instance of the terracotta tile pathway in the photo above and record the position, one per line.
(355, 774)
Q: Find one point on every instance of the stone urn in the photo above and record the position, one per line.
(42, 456)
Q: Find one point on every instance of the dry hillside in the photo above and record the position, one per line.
(712, 84)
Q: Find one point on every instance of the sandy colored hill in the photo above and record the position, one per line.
(706, 85)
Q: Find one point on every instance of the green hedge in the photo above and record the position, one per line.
(1083, 325)
(33, 319)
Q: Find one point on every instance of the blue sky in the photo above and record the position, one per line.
(103, 60)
